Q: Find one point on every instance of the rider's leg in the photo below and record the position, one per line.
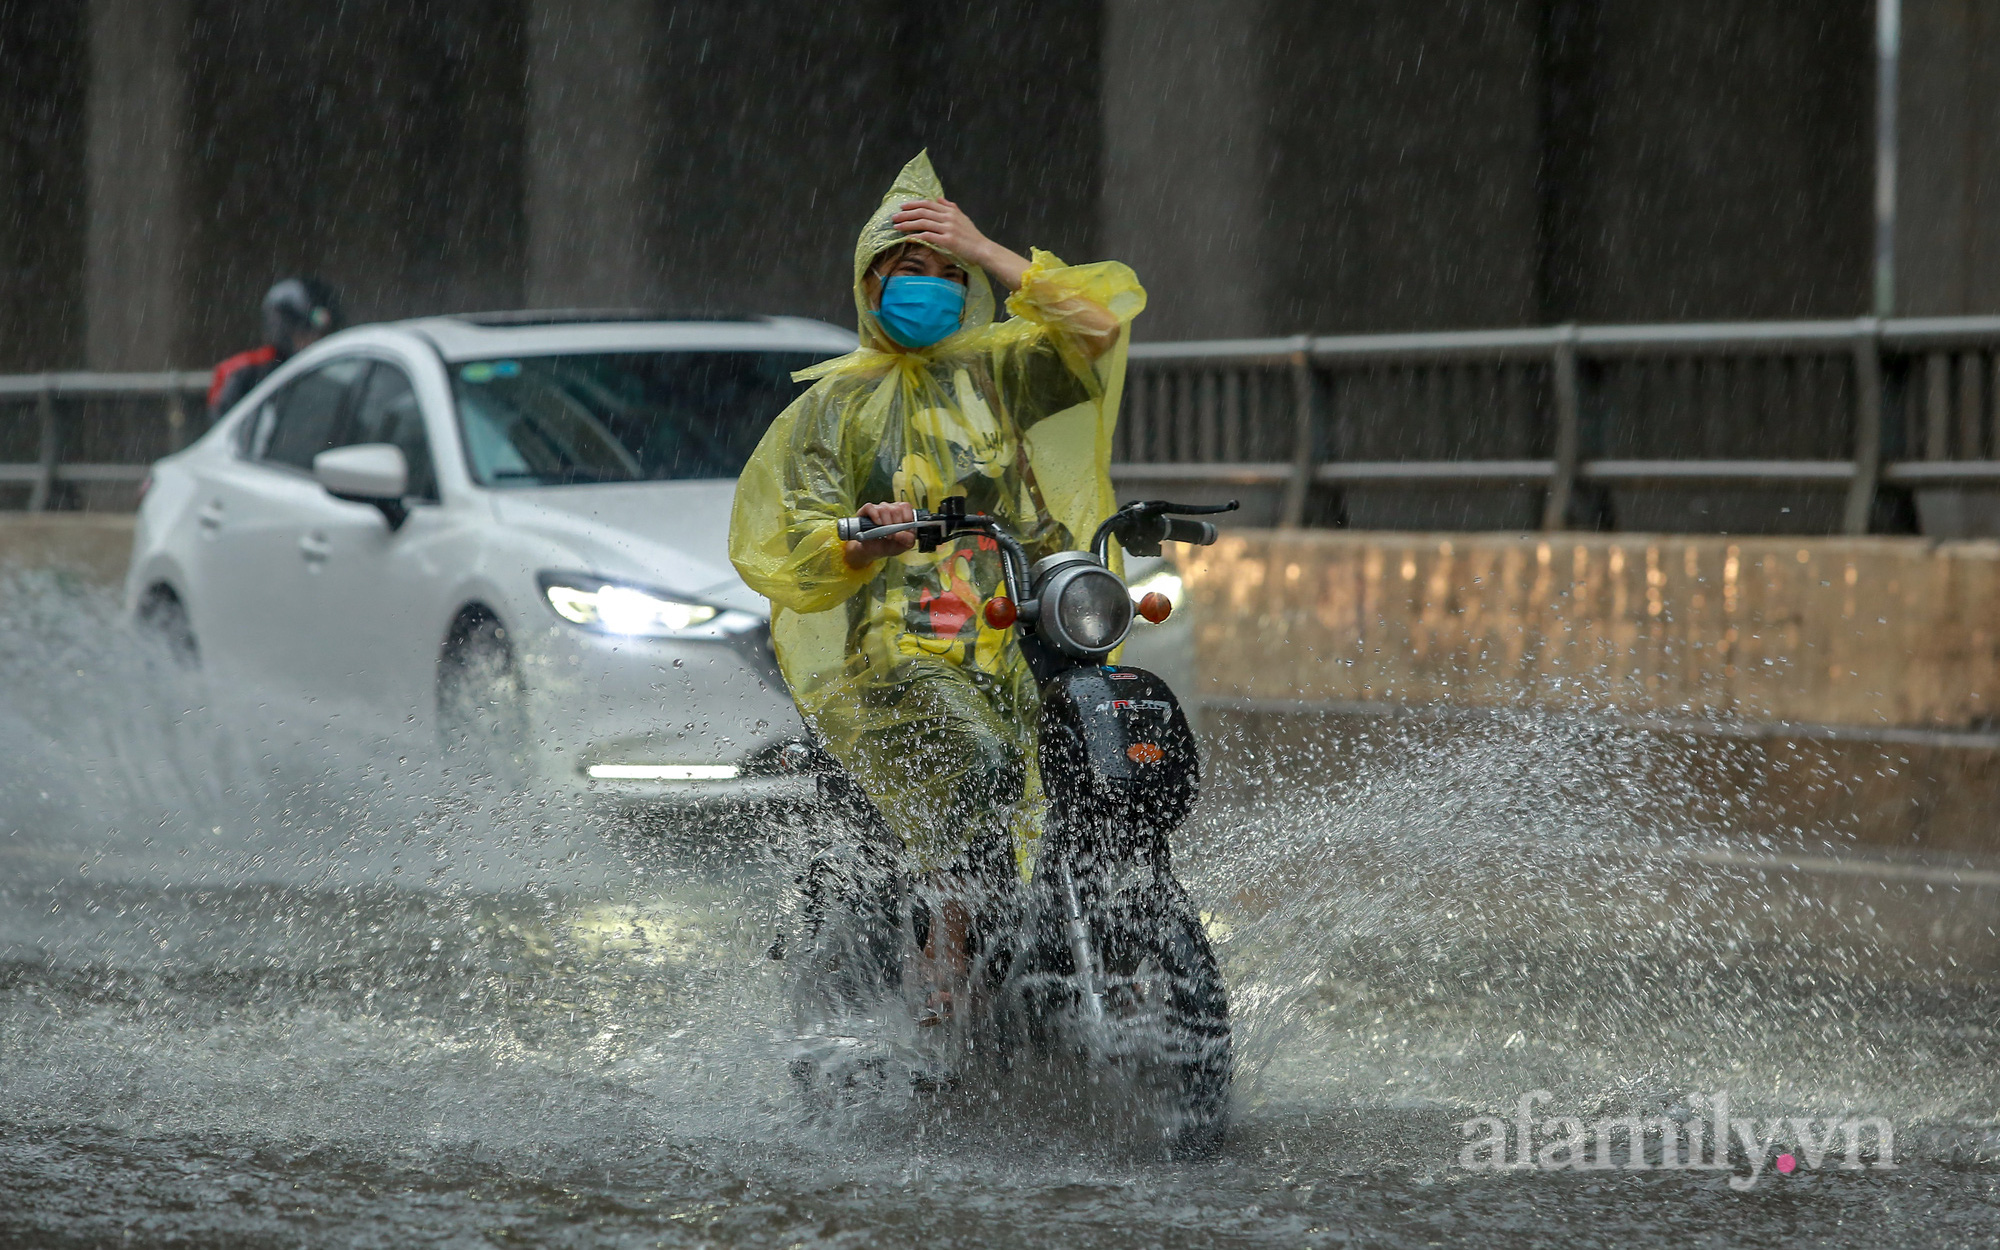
(945, 946)
(981, 809)
(941, 753)
(955, 898)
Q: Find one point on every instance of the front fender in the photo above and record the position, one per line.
(1116, 736)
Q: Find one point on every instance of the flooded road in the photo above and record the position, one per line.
(260, 992)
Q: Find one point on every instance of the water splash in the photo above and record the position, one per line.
(266, 964)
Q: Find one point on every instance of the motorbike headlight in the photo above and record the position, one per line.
(1086, 610)
(611, 608)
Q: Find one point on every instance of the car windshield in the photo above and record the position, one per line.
(619, 416)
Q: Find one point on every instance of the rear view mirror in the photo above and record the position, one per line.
(370, 473)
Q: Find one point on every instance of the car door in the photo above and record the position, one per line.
(378, 581)
(253, 515)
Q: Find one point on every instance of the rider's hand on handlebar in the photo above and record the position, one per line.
(862, 552)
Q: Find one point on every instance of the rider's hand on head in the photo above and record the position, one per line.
(862, 552)
(944, 224)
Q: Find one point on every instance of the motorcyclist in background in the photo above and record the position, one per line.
(298, 312)
(886, 648)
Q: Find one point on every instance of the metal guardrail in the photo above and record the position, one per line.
(1853, 405)
(1560, 411)
(47, 394)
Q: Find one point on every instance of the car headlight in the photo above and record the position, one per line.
(613, 608)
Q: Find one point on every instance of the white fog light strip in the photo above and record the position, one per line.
(662, 772)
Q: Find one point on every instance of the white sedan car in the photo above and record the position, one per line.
(509, 531)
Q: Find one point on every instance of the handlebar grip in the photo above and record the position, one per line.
(1182, 530)
(852, 528)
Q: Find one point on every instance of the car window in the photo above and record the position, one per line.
(619, 416)
(387, 412)
(300, 420)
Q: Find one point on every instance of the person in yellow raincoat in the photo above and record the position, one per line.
(886, 648)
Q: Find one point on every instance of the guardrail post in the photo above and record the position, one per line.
(1937, 406)
(43, 489)
(1569, 421)
(1292, 513)
(176, 419)
(1867, 426)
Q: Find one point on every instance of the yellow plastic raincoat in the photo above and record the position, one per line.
(893, 665)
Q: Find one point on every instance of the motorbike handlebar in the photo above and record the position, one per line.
(1139, 527)
(1144, 532)
(1181, 530)
(853, 528)
(948, 522)
(1148, 522)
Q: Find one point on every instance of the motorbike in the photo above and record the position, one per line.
(1099, 960)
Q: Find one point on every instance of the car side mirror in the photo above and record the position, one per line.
(370, 473)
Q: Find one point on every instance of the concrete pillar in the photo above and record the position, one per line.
(1403, 142)
(1948, 171)
(589, 178)
(135, 151)
(43, 74)
(1184, 193)
(1717, 162)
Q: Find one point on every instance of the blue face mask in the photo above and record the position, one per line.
(917, 312)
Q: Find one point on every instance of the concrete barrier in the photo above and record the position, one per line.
(1873, 632)
(1840, 688)
(93, 545)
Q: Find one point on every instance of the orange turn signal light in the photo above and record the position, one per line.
(1001, 612)
(1155, 606)
(1144, 753)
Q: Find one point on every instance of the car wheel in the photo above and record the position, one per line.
(163, 619)
(482, 712)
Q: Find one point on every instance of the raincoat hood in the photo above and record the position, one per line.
(917, 181)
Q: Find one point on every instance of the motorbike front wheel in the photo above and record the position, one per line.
(1167, 1009)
